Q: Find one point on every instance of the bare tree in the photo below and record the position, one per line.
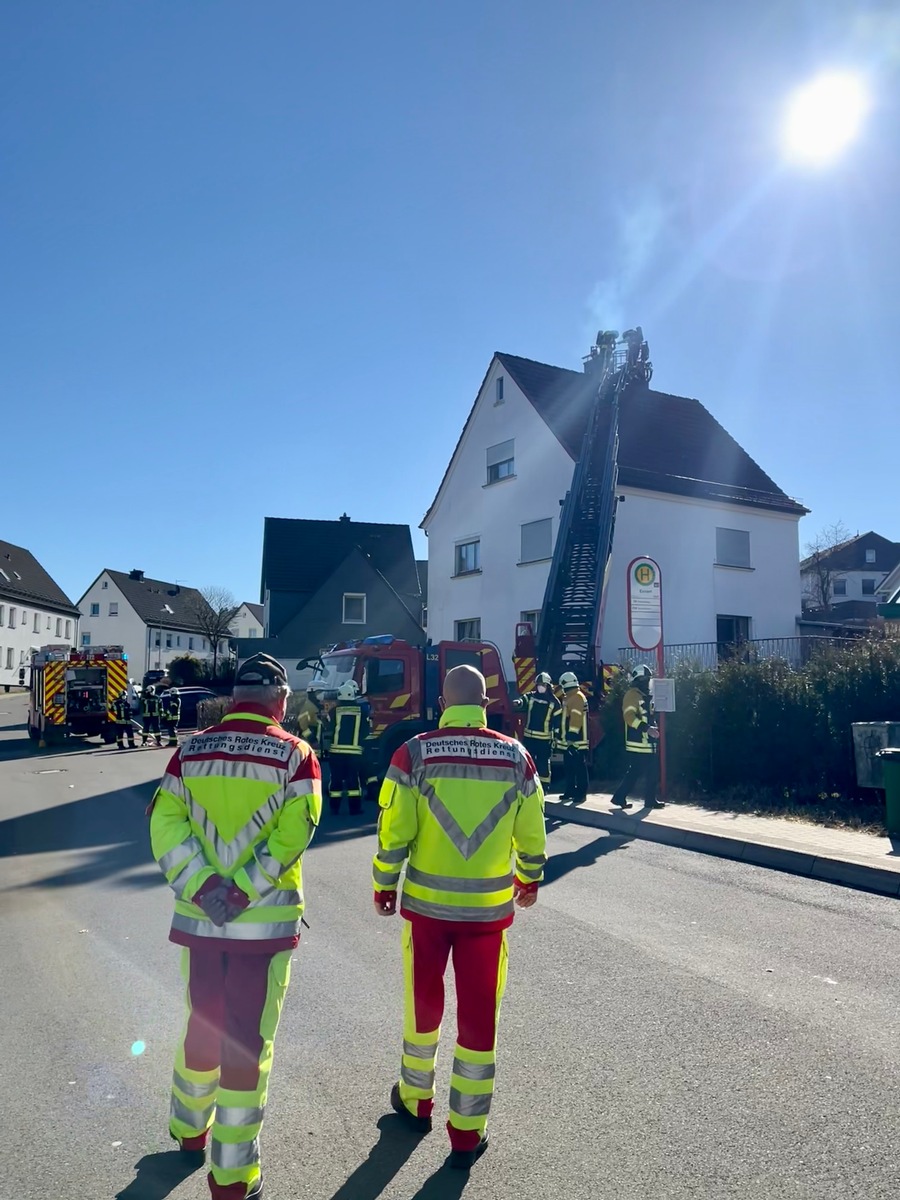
(215, 611)
(819, 570)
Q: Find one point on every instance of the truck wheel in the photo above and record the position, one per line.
(33, 733)
(108, 737)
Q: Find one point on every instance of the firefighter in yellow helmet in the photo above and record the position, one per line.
(573, 737)
(349, 727)
(464, 804)
(228, 826)
(641, 742)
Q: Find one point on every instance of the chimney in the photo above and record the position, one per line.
(344, 517)
(136, 575)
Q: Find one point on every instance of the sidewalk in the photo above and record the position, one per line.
(859, 860)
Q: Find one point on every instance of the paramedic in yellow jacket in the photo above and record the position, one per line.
(573, 737)
(464, 804)
(641, 743)
(229, 824)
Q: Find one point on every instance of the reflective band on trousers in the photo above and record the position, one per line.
(238, 1116)
(173, 858)
(196, 1118)
(456, 912)
(393, 856)
(470, 1070)
(423, 1080)
(232, 1155)
(412, 1050)
(236, 931)
(195, 1090)
(469, 1106)
(456, 883)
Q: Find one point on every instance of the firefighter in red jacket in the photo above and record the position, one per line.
(229, 824)
(465, 805)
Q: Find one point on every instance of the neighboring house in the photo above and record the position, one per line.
(422, 572)
(153, 620)
(725, 535)
(890, 586)
(34, 611)
(250, 621)
(858, 569)
(331, 581)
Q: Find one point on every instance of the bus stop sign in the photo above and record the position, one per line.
(644, 604)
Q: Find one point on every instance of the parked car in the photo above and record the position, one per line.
(157, 678)
(191, 697)
(134, 696)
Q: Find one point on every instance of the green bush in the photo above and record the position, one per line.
(187, 671)
(210, 712)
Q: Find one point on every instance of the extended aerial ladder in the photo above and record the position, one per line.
(571, 619)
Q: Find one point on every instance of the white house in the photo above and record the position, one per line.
(34, 611)
(859, 569)
(723, 532)
(154, 621)
(249, 622)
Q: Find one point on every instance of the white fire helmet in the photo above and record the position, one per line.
(568, 680)
(348, 690)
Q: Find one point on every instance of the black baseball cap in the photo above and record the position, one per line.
(261, 671)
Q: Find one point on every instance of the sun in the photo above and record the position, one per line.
(824, 116)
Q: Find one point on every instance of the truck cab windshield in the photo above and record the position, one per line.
(335, 670)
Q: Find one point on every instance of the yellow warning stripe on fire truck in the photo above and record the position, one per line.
(116, 682)
(54, 681)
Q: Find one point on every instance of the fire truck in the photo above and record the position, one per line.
(73, 691)
(402, 683)
(570, 624)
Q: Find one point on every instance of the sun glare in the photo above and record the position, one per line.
(823, 117)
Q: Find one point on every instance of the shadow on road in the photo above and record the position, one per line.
(158, 1175)
(559, 865)
(393, 1149)
(444, 1184)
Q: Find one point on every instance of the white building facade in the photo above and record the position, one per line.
(249, 621)
(151, 619)
(730, 569)
(34, 612)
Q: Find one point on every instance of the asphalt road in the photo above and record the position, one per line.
(675, 1026)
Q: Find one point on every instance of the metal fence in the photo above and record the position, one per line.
(706, 656)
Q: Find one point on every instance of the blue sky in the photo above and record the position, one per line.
(256, 256)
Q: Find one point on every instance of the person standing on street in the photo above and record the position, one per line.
(542, 713)
(150, 716)
(124, 727)
(171, 715)
(229, 824)
(349, 729)
(465, 805)
(641, 741)
(573, 737)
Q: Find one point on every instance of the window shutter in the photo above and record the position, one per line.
(501, 452)
(733, 547)
(537, 538)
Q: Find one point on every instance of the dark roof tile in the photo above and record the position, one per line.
(23, 578)
(151, 598)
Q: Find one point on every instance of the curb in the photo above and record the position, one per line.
(776, 858)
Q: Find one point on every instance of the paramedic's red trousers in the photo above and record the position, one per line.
(479, 965)
(222, 1070)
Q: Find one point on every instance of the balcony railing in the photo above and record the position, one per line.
(706, 656)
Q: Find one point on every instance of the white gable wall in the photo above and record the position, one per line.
(680, 533)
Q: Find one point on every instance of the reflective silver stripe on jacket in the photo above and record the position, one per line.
(229, 1156)
(471, 772)
(529, 873)
(197, 1091)
(395, 775)
(469, 1070)
(178, 854)
(467, 1105)
(235, 1116)
(424, 1080)
(467, 844)
(183, 878)
(393, 856)
(455, 883)
(414, 1050)
(456, 912)
(197, 1118)
(235, 931)
(536, 859)
(387, 878)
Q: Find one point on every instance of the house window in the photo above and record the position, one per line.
(178, 640)
(203, 643)
(85, 639)
(95, 610)
(157, 640)
(10, 658)
(383, 676)
(501, 461)
(730, 633)
(105, 584)
(48, 622)
(530, 616)
(12, 617)
(168, 641)
(113, 608)
(23, 619)
(59, 626)
(870, 556)
(468, 558)
(354, 608)
(732, 548)
(839, 587)
(190, 643)
(537, 539)
(68, 629)
(251, 632)
(868, 587)
(498, 389)
(2, 613)
(469, 630)
(37, 622)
